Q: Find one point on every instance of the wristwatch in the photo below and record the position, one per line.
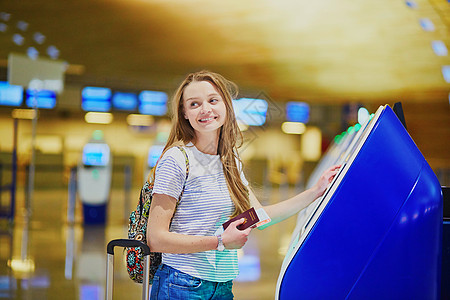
(220, 245)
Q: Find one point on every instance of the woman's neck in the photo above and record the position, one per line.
(207, 145)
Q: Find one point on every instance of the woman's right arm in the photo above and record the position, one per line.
(160, 239)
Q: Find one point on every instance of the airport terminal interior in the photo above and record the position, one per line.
(85, 94)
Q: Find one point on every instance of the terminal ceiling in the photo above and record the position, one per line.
(318, 51)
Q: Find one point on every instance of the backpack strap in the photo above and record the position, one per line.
(187, 170)
(186, 158)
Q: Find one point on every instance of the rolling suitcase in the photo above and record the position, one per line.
(110, 265)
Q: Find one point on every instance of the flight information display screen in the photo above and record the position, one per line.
(125, 101)
(41, 99)
(10, 95)
(153, 103)
(96, 99)
(95, 154)
(297, 112)
(251, 111)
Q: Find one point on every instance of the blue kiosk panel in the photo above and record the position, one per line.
(379, 232)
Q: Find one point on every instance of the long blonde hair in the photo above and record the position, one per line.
(230, 137)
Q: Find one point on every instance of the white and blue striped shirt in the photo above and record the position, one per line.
(204, 206)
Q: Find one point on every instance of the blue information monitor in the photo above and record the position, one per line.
(96, 154)
(297, 112)
(250, 111)
(44, 98)
(10, 95)
(125, 101)
(96, 99)
(153, 103)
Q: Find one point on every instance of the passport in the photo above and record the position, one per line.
(250, 216)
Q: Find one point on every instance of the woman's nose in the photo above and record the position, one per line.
(206, 107)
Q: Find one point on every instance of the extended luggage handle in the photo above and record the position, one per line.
(110, 265)
(127, 243)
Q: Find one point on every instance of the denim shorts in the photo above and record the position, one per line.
(169, 283)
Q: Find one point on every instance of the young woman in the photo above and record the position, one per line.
(196, 263)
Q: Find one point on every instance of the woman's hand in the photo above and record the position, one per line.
(234, 238)
(325, 180)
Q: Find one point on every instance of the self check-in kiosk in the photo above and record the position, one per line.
(94, 179)
(377, 231)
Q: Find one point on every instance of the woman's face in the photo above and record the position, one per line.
(204, 107)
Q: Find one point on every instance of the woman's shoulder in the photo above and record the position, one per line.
(176, 154)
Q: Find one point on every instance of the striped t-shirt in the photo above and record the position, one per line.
(204, 206)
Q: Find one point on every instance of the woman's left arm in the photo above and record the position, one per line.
(287, 208)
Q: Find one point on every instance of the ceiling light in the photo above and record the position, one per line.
(39, 38)
(32, 53)
(426, 24)
(411, 4)
(4, 16)
(140, 120)
(18, 39)
(22, 25)
(26, 114)
(439, 48)
(53, 52)
(293, 127)
(446, 73)
(98, 118)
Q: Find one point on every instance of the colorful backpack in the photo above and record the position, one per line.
(137, 230)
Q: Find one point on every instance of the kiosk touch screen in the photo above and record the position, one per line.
(11, 95)
(376, 232)
(95, 154)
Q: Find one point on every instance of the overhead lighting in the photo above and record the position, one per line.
(22, 25)
(426, 24)
(439, 48)
(32, 53)
(140, 120)
(293, 127)
(25, 114)
(5, 16)
(53, 52)
(39, 38)
(411, 4)
(446, 73)
(18, 39)
(98, 118)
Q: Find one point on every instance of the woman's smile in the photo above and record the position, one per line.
(204, 107)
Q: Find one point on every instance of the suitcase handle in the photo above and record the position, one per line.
(127, 243)
(110, 265)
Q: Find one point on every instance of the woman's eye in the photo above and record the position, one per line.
(194, 104)
(213, 100)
